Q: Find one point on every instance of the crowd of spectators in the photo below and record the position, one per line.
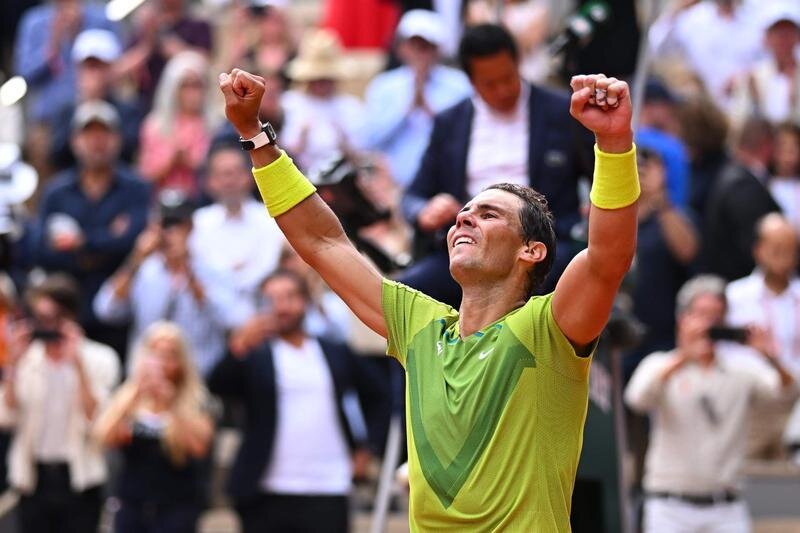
(144, 282)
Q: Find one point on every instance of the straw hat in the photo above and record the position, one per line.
(319, 57)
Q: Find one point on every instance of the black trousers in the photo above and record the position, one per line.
(55, 508)
(150, 517)
(283, 513)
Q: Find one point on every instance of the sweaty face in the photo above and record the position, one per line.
(288, 303)
(496, 80)
(486, 239)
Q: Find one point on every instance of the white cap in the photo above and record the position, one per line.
(778, 10)
(95, 111)
(422, 23)
(96, 43)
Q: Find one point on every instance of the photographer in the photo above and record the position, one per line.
(699, 404)
(55, 382)
(157, 418)
(162, 280)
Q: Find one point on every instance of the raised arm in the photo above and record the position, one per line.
(585, 293)
(305, 219)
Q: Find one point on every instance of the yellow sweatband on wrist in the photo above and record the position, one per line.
(616, 179)
(282, 185)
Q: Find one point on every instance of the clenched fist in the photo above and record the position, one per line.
(603, 105)
(243, 92)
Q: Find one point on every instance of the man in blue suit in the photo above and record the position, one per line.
(509, 131)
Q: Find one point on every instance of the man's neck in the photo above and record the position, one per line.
(233, 209)
(95, 182)
(776, 284)
(295, 338)
(482, 305)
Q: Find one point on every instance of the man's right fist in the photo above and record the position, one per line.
(243, 92)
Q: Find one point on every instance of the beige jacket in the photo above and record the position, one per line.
(87, 465)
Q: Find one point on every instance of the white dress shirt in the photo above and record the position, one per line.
(310, 454)
(716, 48)
(751, 302)
(499, 145)
(699, 421)
(244, 248)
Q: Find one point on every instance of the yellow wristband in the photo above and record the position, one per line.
(616, 179)
(282, 185)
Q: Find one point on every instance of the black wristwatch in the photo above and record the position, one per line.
(267, 136)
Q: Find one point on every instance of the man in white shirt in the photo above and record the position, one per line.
(770, 298)
(54, 383)
(699, 405)
(401, 103)
(232, 235)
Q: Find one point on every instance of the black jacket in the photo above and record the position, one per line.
(251, 379)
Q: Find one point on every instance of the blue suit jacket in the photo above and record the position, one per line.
(560, 151)
(251, 379)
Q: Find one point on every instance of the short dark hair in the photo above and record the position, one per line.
(62, 289)
(485, 40)
(299, 280)
(537, 225)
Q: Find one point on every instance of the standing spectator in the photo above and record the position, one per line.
(162, 280)
(737, 200)
(785, 182)
(42, 52)
(94, 54)
(401, 103)
(509, 128)
(700, 33)
(163, 29)
(699, 405)
(89, 215)
(176, 134)
(298, 392)
(261, 37)
(232, 235)
(666, 244)
(770, 298)
(157, 419)
(55, 383)
(321, 122)
(770, 88)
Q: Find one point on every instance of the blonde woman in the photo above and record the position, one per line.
(157, 420)
(176, 134)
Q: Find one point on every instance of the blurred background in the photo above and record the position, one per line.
(169, 364)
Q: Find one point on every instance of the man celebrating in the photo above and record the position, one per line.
(497, 391)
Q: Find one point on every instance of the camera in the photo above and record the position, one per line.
(724, 333)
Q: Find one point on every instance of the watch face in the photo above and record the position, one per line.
(270, 131)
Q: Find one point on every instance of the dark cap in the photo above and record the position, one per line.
(174, 207)
(656, 90)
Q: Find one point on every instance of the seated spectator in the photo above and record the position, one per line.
(658, 130)
(55, 383)
(700, 34)
(401, 103)
(158, 420)
(769, 88)
(89, 215)
(509, 131)
(162, 30)
(321, 122)
(667, 242)
(176, 134)
(737, 200)
(305, 435)
(94, 54)
(785, 183)
(43, 48)
(261, 38)
(233, 235)
(699, 405)
(769, 298)
(162, 280)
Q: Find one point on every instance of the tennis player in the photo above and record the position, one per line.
(497, 390)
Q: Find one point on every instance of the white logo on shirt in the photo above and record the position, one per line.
(439, 348)
(484, 354)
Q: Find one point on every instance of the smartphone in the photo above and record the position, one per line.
(47, 335)
(724, 333)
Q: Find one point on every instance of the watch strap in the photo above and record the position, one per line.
(265, 136)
